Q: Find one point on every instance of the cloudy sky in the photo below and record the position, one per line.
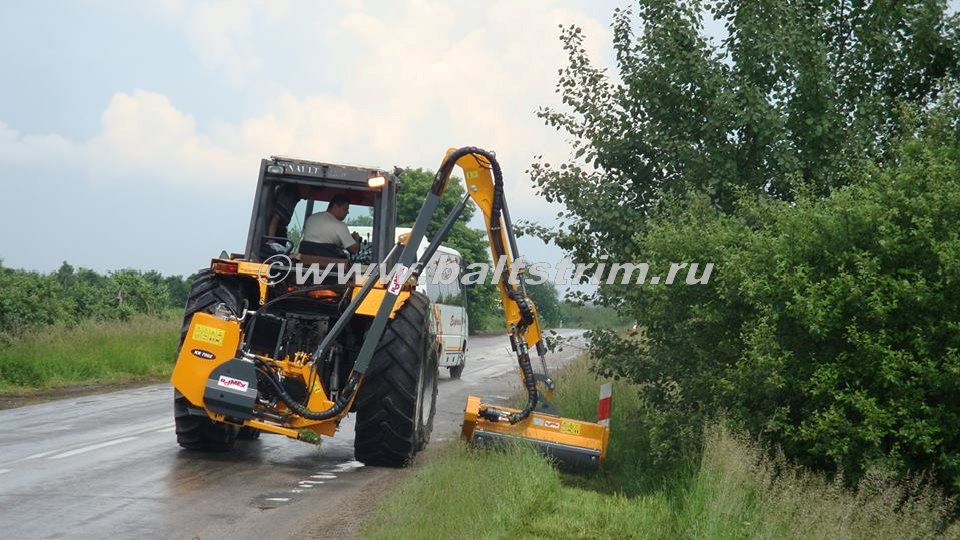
(131, 132)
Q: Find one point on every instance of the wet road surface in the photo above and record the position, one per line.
(108, 466)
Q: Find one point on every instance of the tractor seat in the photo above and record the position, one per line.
(322, 254)
(316, 249)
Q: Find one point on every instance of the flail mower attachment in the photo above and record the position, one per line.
(574, 443)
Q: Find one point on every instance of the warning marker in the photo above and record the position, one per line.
(603, 405)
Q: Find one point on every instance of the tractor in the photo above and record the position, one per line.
(292, 335)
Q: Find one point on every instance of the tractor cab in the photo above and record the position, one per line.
(289, 191)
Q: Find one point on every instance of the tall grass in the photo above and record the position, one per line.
(739, 491)
(463, 491)
(142, 347)
(732, 488)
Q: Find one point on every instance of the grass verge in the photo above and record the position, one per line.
(93, 352)
(732, 489)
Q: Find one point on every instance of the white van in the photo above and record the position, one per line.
(448, 300)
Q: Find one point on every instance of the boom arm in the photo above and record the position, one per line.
(484, 180)
(485, 186)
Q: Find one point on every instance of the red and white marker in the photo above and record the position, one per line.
(603, 406)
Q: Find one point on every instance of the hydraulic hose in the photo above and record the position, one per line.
(337, 409)
(496, 214)
(499, 250)
(532, 394)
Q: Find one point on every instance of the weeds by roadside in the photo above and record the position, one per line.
(732, 488)
(142, 347)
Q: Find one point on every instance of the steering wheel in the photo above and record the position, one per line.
(363, 255)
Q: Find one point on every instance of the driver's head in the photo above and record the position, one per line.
(339, 206)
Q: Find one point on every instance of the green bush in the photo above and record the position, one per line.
(829, 326)
(68, 296)
(142, 347)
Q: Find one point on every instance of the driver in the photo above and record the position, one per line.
(325, 233)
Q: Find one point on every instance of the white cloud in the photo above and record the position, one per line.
(143, 134)
(218, 32)
(16, 147)
(413, 80)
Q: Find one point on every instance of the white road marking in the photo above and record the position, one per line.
(323, 476)
(3, 471)
(152, 427)
(278, 499)
(163, 427)
(92, 447)
(347, 465)
(311, 481)
(40, 455)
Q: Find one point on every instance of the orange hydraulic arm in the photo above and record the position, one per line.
(575, 444)
(484, 183)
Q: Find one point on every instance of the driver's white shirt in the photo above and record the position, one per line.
(325, 228)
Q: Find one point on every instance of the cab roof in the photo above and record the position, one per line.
(283, 166)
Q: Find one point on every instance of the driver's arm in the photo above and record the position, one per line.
(350, 242)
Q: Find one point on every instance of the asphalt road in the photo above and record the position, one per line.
(108, 466)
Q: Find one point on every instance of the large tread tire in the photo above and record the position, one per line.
(206, 293)
(397, 402)
(199, 432)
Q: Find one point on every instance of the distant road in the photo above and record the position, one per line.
(108, 466)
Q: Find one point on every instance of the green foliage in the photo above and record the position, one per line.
(294, 234)
(576, 315)
(69, 296)
(830, 325)
(732, 489)
(467, 493)
(547, 300)
(482, 299)
(139, 348)
(555, 313)
(414, 185)
(773, 109)
(812, 156)
(360, 221)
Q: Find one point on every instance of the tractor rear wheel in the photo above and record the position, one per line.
(195, 432)
(397, 402)
(198, 432)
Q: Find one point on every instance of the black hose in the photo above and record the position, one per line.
(342, 402)
(496, 213)
(532, 394)
(496, 238)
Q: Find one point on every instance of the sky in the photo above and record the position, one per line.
(131, 132)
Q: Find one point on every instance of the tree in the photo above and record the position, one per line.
(830, 328)
(812, 155)
(472, 244)
(772, 109)
(360, 221)
(547, 300)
